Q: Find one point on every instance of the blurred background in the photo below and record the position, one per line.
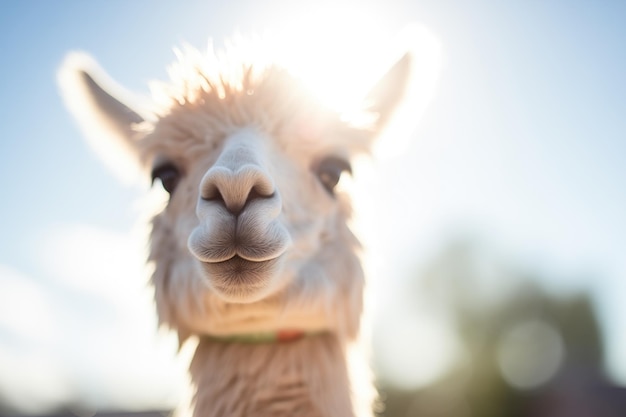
(500, 260)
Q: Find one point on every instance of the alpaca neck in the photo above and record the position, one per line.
(304, 377)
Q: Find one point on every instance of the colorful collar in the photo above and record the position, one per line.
(280, 336)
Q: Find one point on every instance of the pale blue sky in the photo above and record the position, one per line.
(524, 142)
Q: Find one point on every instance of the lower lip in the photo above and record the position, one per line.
(240, 273)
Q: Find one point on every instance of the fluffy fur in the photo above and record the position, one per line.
(250, 240)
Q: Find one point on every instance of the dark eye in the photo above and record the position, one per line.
(168, 174)
(329, 171)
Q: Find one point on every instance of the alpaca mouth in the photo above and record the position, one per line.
(230, 240)
(240, 268)
(238, 277)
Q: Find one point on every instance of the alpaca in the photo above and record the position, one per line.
(252, 254)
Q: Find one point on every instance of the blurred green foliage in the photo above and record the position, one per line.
(485, 299)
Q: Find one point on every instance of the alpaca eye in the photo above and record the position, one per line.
(169, 176)
(329, 171)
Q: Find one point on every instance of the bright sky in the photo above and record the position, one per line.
(523, 143)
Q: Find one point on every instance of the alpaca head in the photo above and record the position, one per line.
(254, 236)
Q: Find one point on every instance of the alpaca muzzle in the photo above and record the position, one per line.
(239, 239)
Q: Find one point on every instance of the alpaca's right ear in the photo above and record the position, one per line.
(106, 121)
(387, 94)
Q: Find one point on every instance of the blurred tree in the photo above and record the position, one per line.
(518, 341)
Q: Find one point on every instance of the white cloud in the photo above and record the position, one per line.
(86, 331)
(30, 377)
(25, 307)
(97, 261)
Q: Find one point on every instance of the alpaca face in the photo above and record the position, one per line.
(254, 236)
(256, 221)
(252, 217)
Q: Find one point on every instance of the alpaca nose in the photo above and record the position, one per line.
(237, 178)
(235, 189)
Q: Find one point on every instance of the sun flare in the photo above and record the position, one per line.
(340, 62)
(339, 53)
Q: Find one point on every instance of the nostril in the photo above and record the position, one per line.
(212, 193)
(237, 206)
(252, 196)
(257, 194)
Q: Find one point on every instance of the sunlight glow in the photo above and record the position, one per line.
(336, 62)
(344, 60)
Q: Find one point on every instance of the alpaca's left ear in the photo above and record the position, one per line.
(387, 94)
(104, 113)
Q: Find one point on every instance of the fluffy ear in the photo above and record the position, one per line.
(108, 122)
(387, 94)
